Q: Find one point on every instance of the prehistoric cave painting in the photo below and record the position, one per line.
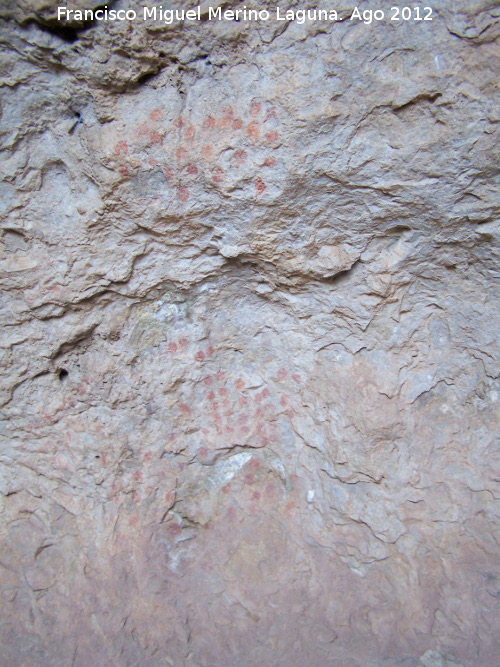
(182, 150)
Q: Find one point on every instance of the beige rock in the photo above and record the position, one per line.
(249, 347)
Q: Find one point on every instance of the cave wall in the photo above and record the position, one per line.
(249, 345)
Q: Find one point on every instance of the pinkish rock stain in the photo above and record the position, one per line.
(156, 114)
(255, 108)
(182, 193)
(240, 156)
(121, 148)
(260, 186)
(253, 130)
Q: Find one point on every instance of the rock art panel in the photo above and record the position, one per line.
(249, 345)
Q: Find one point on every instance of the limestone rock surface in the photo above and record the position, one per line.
(250, 366)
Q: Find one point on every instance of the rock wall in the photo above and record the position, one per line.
(250, 340)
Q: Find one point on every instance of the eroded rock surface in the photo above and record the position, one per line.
(250, 341)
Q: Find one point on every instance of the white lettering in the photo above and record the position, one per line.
(149, 13)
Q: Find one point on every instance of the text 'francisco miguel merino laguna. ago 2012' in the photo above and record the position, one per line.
(208, 13)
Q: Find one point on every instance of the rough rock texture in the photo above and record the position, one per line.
(250, 341)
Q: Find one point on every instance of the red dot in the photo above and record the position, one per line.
(189, 132)
(218, 175)
(271, 137)
(255, 108)
(282, 374)
(172, 347)
(237, 124)
(240, 156)
(121, 147)
(156, 114)
(260, 186)
(183, 193)
(199, 356)
(209, 122)
(155, 137)
(168, 173)
(253, 129)
(183, 342)
(266, 393)
(228, 114)
(208, 380)
(191, 169)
